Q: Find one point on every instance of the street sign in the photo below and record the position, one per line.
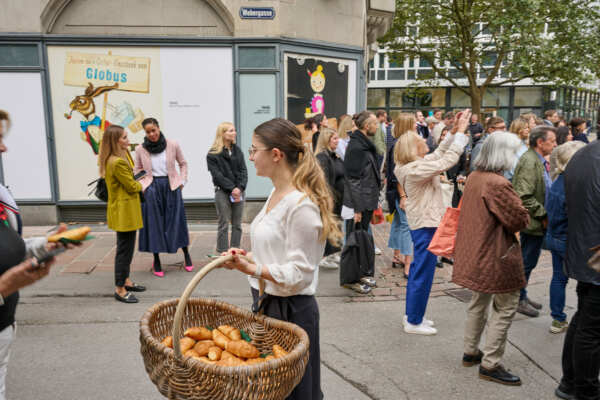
(257, 12)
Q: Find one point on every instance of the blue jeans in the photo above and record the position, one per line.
(421, 274)
(559, 279)
(531, 247)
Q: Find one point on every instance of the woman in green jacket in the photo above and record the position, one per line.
(123, 212)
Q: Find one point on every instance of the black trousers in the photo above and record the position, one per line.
(581, 351)
(304, 312)
(124, 255)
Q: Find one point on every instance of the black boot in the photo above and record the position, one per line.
(564, 391)
(499, 375)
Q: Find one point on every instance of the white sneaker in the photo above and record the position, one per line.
(377, 251)
(420, 329)
(427, 322)
(336, 258)
(327, 263)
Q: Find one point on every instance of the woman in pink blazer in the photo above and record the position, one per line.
(165, 225)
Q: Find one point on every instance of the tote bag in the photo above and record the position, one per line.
(443, 241)
(358, 256)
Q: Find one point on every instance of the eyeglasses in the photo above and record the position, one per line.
(253, 150)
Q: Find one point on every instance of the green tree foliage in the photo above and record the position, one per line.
(496, 42)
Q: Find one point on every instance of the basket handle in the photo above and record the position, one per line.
(188, 291)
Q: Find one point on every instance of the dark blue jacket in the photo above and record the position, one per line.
(556, 209)
(582, 137)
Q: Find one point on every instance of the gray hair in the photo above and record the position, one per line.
(539, 132)
(498, 152)
(564, 152)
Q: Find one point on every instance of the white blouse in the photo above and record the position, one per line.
(286, 241)
(159, 164)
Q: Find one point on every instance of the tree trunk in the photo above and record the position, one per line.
(476, 96)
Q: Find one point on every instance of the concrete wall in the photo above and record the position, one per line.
(333, 21)
(39, 215)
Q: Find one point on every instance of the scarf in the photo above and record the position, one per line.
(155, 147)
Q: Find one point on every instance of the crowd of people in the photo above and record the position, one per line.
(511, 185)
(519, 190)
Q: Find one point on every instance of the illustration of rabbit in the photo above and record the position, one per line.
(91, 131)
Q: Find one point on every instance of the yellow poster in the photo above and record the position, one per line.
(124, 72)
(93, 88)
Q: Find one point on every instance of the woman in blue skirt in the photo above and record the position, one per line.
(165, 225)
(399, 240)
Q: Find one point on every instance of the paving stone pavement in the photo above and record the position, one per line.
(98, 255)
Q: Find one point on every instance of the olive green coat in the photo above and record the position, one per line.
(528, 182)
(124, 210)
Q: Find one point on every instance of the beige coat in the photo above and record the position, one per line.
(421, 181)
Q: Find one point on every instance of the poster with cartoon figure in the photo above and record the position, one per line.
(94, 87)
(316, 86)
(95, 72)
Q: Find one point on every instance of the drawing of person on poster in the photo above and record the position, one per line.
(315, 87)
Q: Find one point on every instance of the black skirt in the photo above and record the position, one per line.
(304, 312)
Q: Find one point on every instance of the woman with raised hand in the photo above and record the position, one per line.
(288, 238)
(123, 211)
(165, 225)
(229, 174)
(418, 174)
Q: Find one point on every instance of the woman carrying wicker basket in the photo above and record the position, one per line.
(288, 237)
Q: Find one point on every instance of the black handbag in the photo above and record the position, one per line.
(358, 256)
(100, 190)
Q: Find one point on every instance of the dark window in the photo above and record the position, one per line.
(17, 55)
(395, 74)
(257, 57)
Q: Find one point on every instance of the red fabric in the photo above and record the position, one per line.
(444, 238)
(377, 217)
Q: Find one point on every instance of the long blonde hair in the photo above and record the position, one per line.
(308, 177)
(344, 126)
(324, 138)
(404, 123)
(109, 147)
(405, 149)
(218, 144)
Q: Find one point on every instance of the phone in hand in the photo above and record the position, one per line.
(51, 254)
(139, 175)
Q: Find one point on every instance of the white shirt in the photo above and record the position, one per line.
(159, 164)
(286, 241)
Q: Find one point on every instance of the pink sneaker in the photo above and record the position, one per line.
(189, 268)
(159, 274)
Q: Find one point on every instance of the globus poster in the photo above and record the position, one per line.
(95, 87)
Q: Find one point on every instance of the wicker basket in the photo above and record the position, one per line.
(178, 377)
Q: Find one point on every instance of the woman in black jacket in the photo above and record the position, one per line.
(228, 169)
(362, 181)
(333, 168)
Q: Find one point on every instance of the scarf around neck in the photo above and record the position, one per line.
(155, 147)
